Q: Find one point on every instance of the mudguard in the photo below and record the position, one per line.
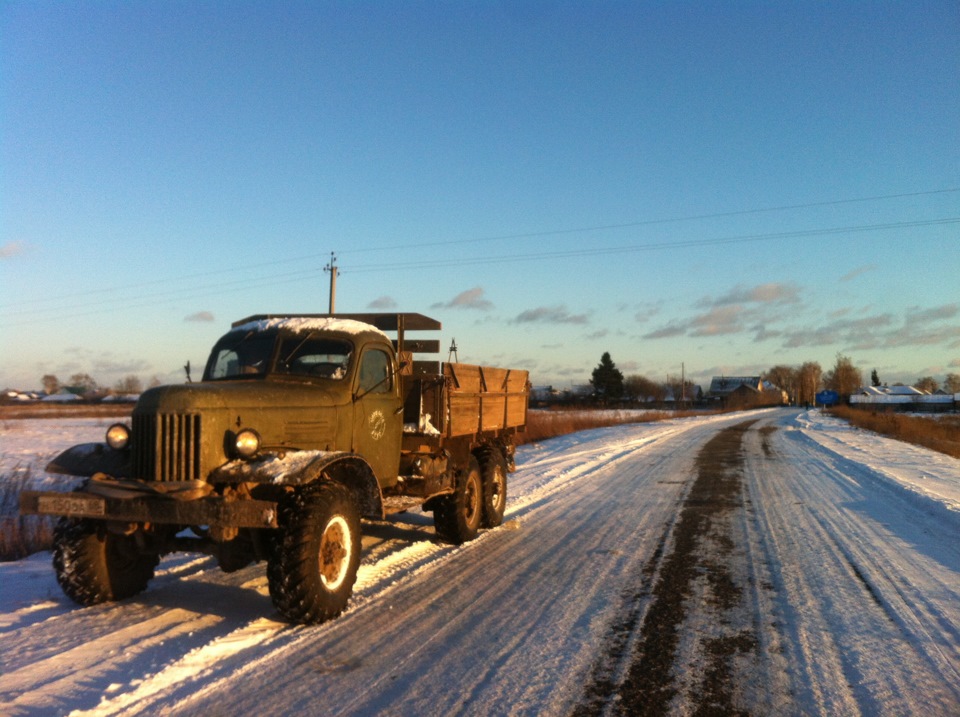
(86, 459)
(303, 467)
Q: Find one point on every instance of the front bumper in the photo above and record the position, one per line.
(210, 511)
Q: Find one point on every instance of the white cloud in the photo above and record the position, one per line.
(469, 299)
(916, 315)
(12, 249)
(851, 275)
(384, 302)
(550, 315)
(769, 293)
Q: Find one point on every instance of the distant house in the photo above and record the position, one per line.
(903, 398)
(63, 396)
(745, 391)
(889, 391)
(723, 386)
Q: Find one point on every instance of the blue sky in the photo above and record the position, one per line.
(726, 186)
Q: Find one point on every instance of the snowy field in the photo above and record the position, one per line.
(827, 581)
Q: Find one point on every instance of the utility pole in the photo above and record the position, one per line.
(332, 268)
(683, 384)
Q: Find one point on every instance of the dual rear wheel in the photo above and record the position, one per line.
(478, 501)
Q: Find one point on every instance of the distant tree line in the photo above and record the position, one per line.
(801, 383)
(84, 385)
(610, 385)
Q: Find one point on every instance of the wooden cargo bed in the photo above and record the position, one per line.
(467, 400)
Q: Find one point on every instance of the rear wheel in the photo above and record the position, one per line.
(493, 472)
(457, 516)
(314, 565)
(94, 565)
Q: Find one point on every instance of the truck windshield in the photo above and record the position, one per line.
(240, 356)
(251, 355)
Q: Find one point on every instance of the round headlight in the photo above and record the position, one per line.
(247, 443)
(118, 436)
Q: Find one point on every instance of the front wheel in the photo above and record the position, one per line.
(457, 516)
(314, 565)
(94, 565)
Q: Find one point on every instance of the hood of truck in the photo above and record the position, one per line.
(202, 419)
(239, 395)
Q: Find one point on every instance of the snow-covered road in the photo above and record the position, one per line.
(817, 568)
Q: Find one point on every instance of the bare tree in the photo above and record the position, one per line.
(641, 388)
(84, 382)
(51, 384)
(786, 378)
(844, 377)
(128, 384)
(808, 382)
(928, 384)
(951, 383)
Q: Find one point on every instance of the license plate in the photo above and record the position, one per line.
(71, 505)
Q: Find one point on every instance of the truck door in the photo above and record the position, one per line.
(377, 423)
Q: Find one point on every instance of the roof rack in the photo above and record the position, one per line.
(399, 323)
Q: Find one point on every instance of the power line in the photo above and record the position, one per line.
(596, 251)
(220, 288)
(307, 274)
(652, 222)
(140, 285)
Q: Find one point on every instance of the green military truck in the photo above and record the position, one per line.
(301, 426)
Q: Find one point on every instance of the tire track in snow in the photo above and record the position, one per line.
(858, 633)
(43, 688)
(698, 548)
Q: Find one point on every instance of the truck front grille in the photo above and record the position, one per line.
(166, 447)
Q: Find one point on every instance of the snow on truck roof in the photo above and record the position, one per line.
(348, 323)
(305, 323)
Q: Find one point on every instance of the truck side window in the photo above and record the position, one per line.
(375, 375)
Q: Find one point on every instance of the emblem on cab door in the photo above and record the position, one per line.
(378, 425)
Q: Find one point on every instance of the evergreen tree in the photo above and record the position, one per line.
(607, 380)
(874, 378)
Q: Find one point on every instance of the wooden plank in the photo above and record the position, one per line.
(492, 411)
(494, 379)
(466, 378)
(516, 411)
(464, 414)
(419, 346)
(426, 368)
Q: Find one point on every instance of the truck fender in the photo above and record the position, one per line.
(86, 459)
(295, 468)
(355, 473)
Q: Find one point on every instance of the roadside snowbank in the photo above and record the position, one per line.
(932, 478)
